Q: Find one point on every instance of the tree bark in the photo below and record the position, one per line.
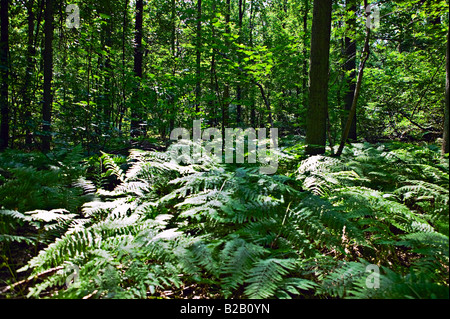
(266, 103)
(138, 57)
(48, 76)
(239, 87)
(212, 73)
(252, 95)
(226, 90)
(305, 52)
(107, 98)
(4, 74)
(174, 48)
(26, 90)
(445, 138)
(198, 85)
(350, 68)
(364, 57)
(316, 119)
(123, 106)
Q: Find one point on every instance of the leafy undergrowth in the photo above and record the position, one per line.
(371, 224)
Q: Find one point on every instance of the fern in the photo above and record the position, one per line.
(266, 277)
(339, 281)
(155, 226)
(239, 257)
(397, 286)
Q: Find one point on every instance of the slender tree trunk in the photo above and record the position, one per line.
(4, 74)
(106, 100)
(212, 73)
(266, 103)
(364, 57)
(316, 119)
(226, 90)
(48, 76)
(26, 91)
(88, 113)
(34, 21)
(174, 49)
(252, 98)
(285, 10)
(198, 85)
(350, 68)
(445, 140)
(123, 107)
(305, 53)
(138, 57)
(238, 87)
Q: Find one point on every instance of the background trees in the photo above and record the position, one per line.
(445, 143)
(48, 76)
(4, 74)
(349, 66)
(83, 109)
(149, 66)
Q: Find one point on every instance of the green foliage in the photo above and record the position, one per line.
(166, 226)
(142, 225)
(40, 197)
(44, 182)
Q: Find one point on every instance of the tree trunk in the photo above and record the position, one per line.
(26, 90)
(138, 57)
(252, 97)
(107, 96)
(4, 74)
(364, 57)
(226, 90)
(48, 76)
(305, 52)
(123, 107)
(266, 103)
(239, 87)
(88, 113)
(316, 119)
(198, 85)
(350, 68)
(445, 142)
(171, 110)
(211, 103)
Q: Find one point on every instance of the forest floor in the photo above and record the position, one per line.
(142, 226)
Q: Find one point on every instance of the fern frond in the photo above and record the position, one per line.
(6, 238)
(204, 256)
(266, 277)
(290, 287)
(238, 257)
(112, 167)
(339, 281)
